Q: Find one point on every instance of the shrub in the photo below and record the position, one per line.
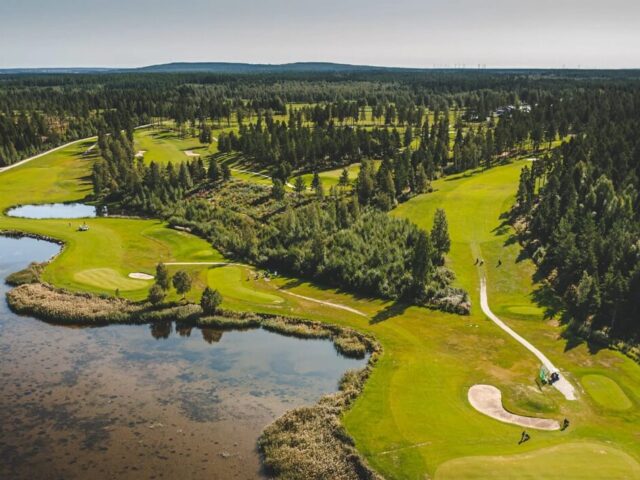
(210, 301)
(156, 294)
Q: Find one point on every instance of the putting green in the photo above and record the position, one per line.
(606, 392)
(108, 278)
(584, 461)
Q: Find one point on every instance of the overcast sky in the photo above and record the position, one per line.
(415, 33)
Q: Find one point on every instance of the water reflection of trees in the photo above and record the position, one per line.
(211, 335)
(161, 330)
(183, 329)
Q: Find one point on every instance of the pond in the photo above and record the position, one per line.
(134, 401)
(57, 210)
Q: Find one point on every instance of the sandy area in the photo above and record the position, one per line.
(140, 153)
(487, 399)
(141, 276)
(191, 153)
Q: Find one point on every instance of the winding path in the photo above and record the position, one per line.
(22, 162)
(562, 384)
(310, 299)
(328, 304)
(55, 149)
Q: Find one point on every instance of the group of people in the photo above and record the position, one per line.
(479, 261)
(525, 436)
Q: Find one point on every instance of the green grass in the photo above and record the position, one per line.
(606, 392)
(413, 420)
(100, 259)
(594, 462)
(330, 178)
(165, 145)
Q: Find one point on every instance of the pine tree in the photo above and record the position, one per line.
(214, 170)
(440, 235)
(162, 276)
(299, 185)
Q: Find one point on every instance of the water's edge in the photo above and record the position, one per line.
(275, 453)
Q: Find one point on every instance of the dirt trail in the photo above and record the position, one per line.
(562, 385)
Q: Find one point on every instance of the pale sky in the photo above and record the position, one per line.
(411, 33)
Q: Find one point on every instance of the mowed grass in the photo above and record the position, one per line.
(330, 178)
(100, 259)
(594, 461)
(413, 416)
(164, 145)
(606, 392)
(474, 203)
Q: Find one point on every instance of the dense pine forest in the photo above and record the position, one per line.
(581, 209)
(576, 209)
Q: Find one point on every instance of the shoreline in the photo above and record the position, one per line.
(284, 444)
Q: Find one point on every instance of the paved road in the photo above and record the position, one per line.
(562, 384)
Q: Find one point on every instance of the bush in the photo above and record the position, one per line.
(156, 294)
(210, 301)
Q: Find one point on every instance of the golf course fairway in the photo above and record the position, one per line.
(413, 420)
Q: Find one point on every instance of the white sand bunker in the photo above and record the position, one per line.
(140, 153)
(141, 276)
(487, 399)
(191, 153)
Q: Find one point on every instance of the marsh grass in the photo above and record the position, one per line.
(31, 274)
(310, 442)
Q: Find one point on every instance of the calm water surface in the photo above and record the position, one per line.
(166, 401)
(55, 210)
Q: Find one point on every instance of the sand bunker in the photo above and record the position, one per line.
(487, 399)
(141, 276)
(191, 153)
(140, 153)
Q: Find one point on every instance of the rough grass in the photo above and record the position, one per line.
(45, 302)
(31, 274)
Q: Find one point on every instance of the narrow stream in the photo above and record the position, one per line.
(166, 401)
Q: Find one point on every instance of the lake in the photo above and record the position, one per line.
(140, 401)
(56, 210)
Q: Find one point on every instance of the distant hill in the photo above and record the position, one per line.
(219, 67)
(14, 71)
(224, 67)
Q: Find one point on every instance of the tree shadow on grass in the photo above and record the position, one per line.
(296, 282)
(575, 340)
(393, 310)
(545, 297)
